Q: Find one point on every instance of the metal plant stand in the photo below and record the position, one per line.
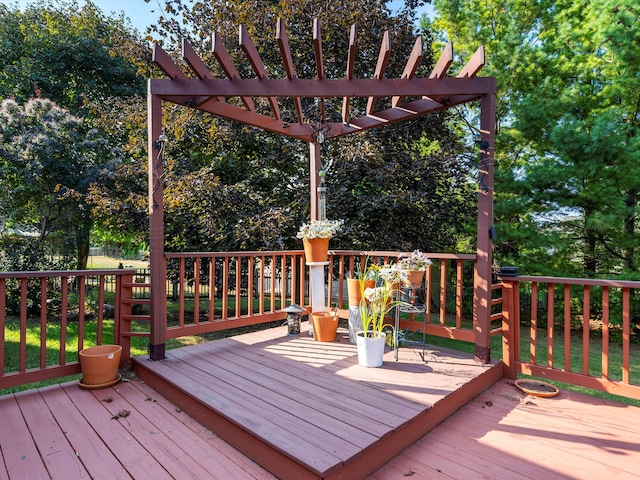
(409, 296)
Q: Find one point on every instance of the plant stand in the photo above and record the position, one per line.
(413, 308)
(318, 301)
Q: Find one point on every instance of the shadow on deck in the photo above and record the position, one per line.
(305, 409)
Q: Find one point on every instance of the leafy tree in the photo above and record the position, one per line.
(67, 53)
(49, 159)
(93, 67)
(566, 183)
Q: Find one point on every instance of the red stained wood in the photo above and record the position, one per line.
(500, 434)
(309, 404)
(506, 434)
(19, 452)
(66, 432)
(58, 456)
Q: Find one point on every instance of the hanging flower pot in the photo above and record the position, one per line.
(315, 236)
(325, 326)
(99, 366)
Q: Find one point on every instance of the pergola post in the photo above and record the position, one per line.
(158, 296)
(316, 269)
(485, 233)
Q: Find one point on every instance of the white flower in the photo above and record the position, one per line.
(414, 261)
(320, 229)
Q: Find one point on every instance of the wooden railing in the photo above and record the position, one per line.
(247, 288)
(40, 306)
(234, 289)
(578, 331)
(448, 294)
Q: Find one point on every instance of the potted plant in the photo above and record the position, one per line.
(369, 276)
(415, 264)
(365, 278)
(315, 236)
(375, 304)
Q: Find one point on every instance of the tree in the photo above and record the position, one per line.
(566, 181)
(68, 54)
(50, 158)
(92, 67)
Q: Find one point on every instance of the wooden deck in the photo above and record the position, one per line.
(66, 432)
(505, 434)
(306, 409)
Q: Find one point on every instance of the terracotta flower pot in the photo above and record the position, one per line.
(353, 289)
(99, 366)
(325, 326)
(316, 249)
(414, 277)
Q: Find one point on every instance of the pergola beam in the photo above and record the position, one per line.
(381, 66)
(229, 68)
(327, 88)
(443, 63)
(410, 68)
(285, 53)
(474, 65)
(351, 56)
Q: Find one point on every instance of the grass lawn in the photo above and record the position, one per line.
(97, 262)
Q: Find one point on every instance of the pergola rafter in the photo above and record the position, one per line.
(408, 97)
(435, 93)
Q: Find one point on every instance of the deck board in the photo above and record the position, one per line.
(318, 433)
(125, 445)
(504, 434)
(93, 453)
(59, 457)
(19, 452)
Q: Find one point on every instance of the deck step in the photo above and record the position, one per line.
(137, 318)
(137, 301)
(135, 334)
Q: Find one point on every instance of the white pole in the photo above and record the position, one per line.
(318, 301)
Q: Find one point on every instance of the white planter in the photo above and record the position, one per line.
(370, 349)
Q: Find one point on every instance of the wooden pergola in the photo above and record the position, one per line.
(410, 96)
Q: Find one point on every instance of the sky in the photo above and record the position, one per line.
(141, 14)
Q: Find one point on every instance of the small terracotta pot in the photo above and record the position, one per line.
(325, 326)
(353, 289)
(415, 277)
(99, 365)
